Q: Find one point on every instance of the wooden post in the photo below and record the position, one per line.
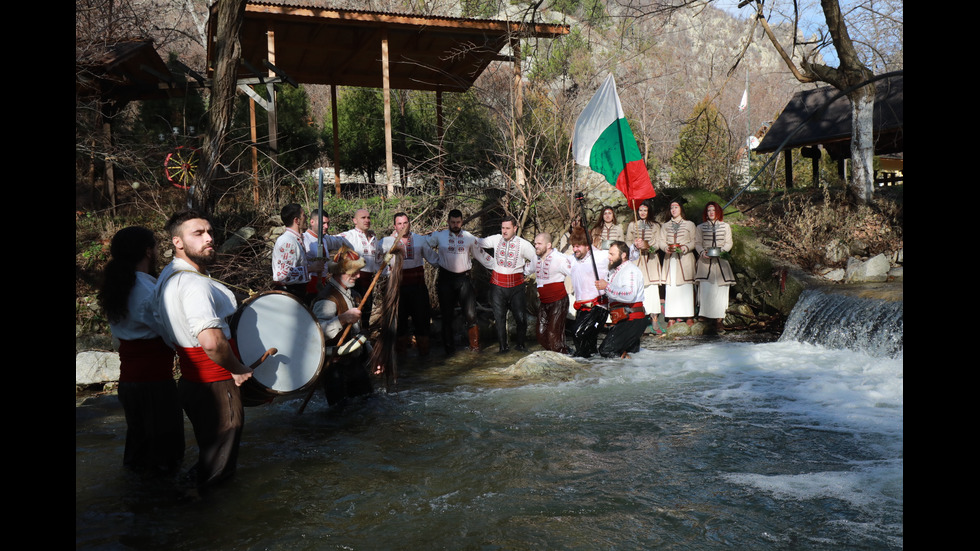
(273, 120)
(519, 153)
(389, 161)
(336, 139)
(439, 135)
(255, 152)
(788, 157)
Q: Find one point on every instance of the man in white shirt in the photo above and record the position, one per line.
(457, 247)
(193, 312)
(363, 240)
(550, 271)
(290, 268)
(413, 294)
(587, 262)
(312, 239)
(513, 260)
(623, 287)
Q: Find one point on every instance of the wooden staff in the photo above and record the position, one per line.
(343, 336)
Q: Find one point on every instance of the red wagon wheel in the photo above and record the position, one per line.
(181, 165)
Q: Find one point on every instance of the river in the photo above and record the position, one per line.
(704, 444)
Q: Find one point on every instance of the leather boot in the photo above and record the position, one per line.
(474, 335)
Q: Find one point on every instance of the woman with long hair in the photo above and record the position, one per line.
(643, 236)
(606, 229)
(147, 390)
(678, 235)
(714, 273)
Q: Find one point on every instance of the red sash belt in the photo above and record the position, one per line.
(313, 285)
(506, 280)
(196, 366)
(413, 276)
(145, 360)
(588, 304)
(551, 292)
(629, 311)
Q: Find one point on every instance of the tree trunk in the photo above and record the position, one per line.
(227, 52)
(862, 144)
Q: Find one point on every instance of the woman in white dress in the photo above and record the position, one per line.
(678, 238)
(643, 236)
(714, 273)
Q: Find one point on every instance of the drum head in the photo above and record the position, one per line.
(279, 320)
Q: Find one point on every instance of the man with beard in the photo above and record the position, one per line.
(456, 247)
(583, 276)
(513, 260)
(413, 294)
(336, 308)
(193, 312)
(623, 287)
(362, 238)
(550, 271)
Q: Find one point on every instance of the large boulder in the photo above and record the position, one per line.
(875, 269)
(546, 364)
(95, 367)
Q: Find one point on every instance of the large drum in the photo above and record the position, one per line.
(275, 319)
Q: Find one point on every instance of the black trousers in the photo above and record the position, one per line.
(154, 425)
(513, 299)
(413, 302)
(455, 288)
(217, 415)
(623, 337)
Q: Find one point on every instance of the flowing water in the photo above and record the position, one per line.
(720, 444)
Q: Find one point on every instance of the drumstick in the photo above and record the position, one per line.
(264, 357)
(333, 358)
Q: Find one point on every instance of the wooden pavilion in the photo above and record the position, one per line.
(303, 41)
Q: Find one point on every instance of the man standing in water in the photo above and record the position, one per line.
(583, 276)
(550, 271)
(365, 243)
(193, 311)
(623, 286)
(457, 248)
(513, 260)
(291, 270)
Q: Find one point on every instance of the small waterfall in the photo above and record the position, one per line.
(875, 327)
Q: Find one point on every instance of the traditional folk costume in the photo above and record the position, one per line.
(413, 295)
(453, 285)
(714, 274)
(625, 295)
(189, 302)
(365, 243)
(648, 261)
(513, 260)
(311, 246)
(347, 376)
(289, 264)
(678, 267)
(147, 390)
(603, 236)
(550, 271)
(583, 276)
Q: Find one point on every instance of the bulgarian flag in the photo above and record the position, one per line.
(604, 142)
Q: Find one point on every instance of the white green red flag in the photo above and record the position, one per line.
(604, 142)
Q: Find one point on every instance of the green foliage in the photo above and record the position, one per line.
(480, 8)
(592, 12)
(299, 144)
(156, 119)
(570, 56)
(703, 155)
(360, 117)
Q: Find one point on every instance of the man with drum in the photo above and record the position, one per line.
(513, 260)
(550, 271)
(623, 287)
(365, 243)
(413, 294)
(193, 311)
(336, 308)
(290, 268)
(583, 276)
(457, 247)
